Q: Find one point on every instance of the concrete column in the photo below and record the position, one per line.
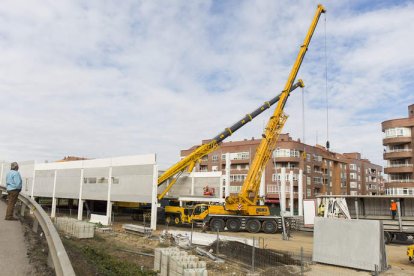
(1, 174)
(53, 213)
(292, 196)
(220, 194)
(228, 164)
(80, 200)
(262, 189)
(282, 197)
(154, 205)
(192, 183)
(33, 182)
(108, 202)
(300, 193)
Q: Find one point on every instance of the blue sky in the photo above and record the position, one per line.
(111, 78)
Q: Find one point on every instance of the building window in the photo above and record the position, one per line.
(353, 184)
(214, 157)
(352, 167)
(353, 176)
(398, 132)
(237, 177)
(286, 153)
(234, 189)
(308, 169)
(308, 180)
(308, 192)
(203, 168)
(272, 189)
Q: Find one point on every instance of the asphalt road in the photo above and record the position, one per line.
(13, 250)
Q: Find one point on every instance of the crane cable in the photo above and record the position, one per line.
(326, 90)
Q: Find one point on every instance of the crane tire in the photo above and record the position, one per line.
(233, 224)
(253, 225)
(177, 220)
(217, 224)
(269, 226)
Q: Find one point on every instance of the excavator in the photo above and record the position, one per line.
(240, 211)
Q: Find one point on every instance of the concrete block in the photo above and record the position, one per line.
(351, 243)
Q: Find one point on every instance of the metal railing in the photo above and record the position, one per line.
(60, 259)
(406, 180)
(398, 150)
(399, 191)
(399, 165)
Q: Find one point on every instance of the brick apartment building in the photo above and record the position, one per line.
(324, 172)
(398, 141)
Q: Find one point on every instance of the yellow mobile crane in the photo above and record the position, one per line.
(241, 210)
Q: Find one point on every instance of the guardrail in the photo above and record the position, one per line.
(60, 259)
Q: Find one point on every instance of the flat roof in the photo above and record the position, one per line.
(367, 196)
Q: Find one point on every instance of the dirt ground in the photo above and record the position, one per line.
(120, 253)
(122, 246)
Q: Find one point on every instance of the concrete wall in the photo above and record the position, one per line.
(351, 243)
(193, 184)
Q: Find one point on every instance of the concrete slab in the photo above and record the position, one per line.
(13, 250)
(207, 239)
(350, 243)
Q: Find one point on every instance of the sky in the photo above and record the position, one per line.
(111, 78)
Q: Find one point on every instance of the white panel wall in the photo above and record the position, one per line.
(183, 186)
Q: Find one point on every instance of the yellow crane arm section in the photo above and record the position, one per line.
(188, 162)
(248, 194)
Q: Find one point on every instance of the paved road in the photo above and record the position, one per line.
(13, 251)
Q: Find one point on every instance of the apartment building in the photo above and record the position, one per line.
(324, 172)
(398, 152)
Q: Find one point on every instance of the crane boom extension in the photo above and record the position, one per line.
(188, 162)
(248, 194)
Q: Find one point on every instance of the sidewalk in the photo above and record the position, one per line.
(13, 251)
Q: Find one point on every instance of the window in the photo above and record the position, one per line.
(286, 153)
(353, 176)
(203, 168)
(214, 157)
(237, 177)
(352, 167)
(397, 132)
(354, 193)
(308, 180)
(308, 192)
(234, 189)
(223, 156)
(308, 169)
(240, 155)
(317, 180)
(353, 185)
(272, 189)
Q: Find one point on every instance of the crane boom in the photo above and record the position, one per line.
(188, 162)
(248, 194)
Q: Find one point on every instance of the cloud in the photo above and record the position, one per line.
(113, 78)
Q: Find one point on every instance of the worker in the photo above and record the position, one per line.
(14, 186)
(393, 208)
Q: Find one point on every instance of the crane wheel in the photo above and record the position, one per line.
(269, 226)
(253, 226)
(177, 221)
(217, 224)
(233, 225)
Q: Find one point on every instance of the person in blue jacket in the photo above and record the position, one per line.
(14, 186)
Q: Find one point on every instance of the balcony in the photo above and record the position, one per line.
(398, 153)
(399, 184)
(396, 140)
(399, 191)
(399, 168)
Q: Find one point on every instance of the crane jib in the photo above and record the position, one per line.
(229, 131)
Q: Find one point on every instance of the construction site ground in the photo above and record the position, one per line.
(120, 253)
